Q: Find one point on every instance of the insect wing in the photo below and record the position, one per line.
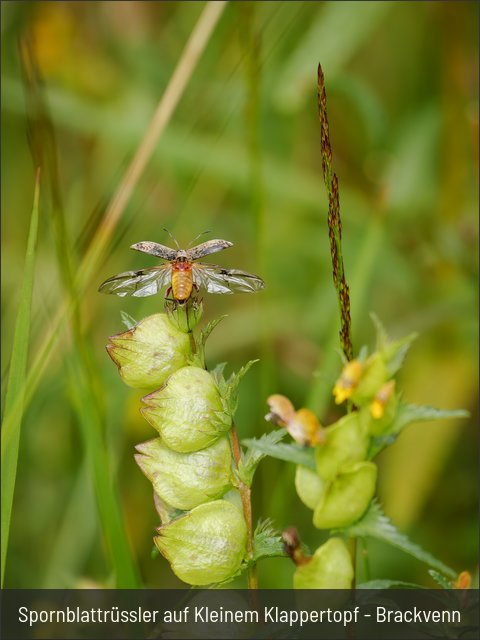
(211, 246)
(217, 279)
(155, 249)
(140, 284)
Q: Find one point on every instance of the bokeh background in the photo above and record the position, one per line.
(241, 157)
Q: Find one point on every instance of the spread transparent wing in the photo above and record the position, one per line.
(155, 249)
(217, 279)
(211, 246)
(140, 284)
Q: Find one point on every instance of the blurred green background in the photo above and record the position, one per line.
(241, 157)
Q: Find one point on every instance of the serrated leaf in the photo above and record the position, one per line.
(396, 351)
(407, 414)
(440, 579)
(375, 524)
(289, 452)
(267, 541)
(252, 457)
(127, 320)
(207, 330)
(230, 392)
(389, 584)
(382, 336)
(217, 374)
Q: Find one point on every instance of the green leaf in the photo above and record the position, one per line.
(217, 374)
(252, 457)
(99, 461)
(229, 388)
(376, 525)
(407, 414)
(440, 579)
(382, 336)
(395, 352)
(14, 399)
(207, 330)
(289, 452)
(267, 541)
(389, 584)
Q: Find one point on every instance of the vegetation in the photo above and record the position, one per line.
(135, 130)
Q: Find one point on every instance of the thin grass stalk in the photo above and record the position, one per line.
(252, 43)
(85, 377)
(334, 223)
(251, 40)
(15, 394)
(320, 391)
(183, 72)
(112, 526)
(89, 265)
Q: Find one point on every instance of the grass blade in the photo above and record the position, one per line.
(166, 106)
(126, 576)
(14, 403)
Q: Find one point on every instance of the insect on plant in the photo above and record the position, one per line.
(181, 273)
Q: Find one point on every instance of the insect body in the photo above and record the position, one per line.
(181, 273)
(182, 280)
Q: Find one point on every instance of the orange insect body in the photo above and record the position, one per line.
(182, 280)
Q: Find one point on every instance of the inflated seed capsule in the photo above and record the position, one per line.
(206, 545)
(346, 441)
(310, 487)
(185, 480)
(149, 352)
(187, 411)
(330, 567)
(347, 498)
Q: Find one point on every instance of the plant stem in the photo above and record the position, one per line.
(353, 555)
(193, 343)
(245, 495)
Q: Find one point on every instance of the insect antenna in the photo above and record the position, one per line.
(197, 237)
(172, 237)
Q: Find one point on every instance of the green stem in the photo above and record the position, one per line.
(366, 563)
(353, 555)
(245, 495)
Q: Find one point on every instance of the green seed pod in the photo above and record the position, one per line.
(149, 352)
(188, 411)
(310, 487)
(346, 441)
(184, 316)
(185, 480)
(206, 545)
(347, 498)
(330, 567)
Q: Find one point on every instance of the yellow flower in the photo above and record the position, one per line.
(382, 397)
(348, 381)
(302, 425)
